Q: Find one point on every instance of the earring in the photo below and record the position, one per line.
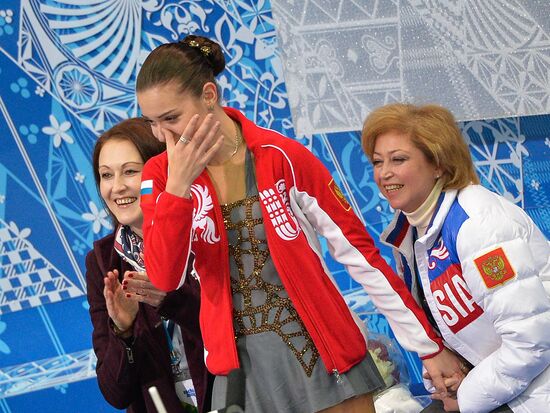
(210, 107)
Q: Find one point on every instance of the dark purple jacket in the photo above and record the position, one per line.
(126, 370)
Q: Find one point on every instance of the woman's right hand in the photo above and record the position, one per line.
(188, 158)
(446, 371)
(122, 310)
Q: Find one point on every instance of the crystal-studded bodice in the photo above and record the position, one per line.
(260, 301)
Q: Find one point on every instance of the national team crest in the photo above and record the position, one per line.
(494, 268)
(337, 192)
(279, 212)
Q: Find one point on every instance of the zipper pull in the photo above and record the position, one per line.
(130, 355)
(338, 377)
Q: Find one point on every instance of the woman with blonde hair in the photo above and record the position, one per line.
(474, 261)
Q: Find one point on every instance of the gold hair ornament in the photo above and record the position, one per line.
(205, 50)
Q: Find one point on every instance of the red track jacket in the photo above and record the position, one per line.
(299, 201)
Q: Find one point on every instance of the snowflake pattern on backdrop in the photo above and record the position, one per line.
(482, 60)
(68, 70)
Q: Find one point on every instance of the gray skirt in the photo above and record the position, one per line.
(276, 382)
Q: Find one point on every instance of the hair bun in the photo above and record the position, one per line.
(209, 49)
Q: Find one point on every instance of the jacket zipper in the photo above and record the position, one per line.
(334, 370)
(130, 355)
(337, 375)
(217, 211)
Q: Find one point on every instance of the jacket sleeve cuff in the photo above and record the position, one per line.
(439, 350)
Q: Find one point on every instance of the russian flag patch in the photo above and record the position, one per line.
(146, 190)
(494, 268)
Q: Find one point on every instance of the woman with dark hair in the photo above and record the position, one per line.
(142, 336)
(477, 263)
(249, 204)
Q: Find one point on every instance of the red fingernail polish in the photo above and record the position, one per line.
(130, 275)
(128, 295)
(124, 287)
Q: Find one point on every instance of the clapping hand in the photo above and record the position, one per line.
(121, 309)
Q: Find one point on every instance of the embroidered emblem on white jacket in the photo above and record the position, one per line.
(441, 252)
(203, 225)
(278, 209)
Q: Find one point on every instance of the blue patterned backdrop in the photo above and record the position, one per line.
(67, 70)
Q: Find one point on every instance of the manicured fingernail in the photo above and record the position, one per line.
(124, 287)
(130, 275)
(128, 295)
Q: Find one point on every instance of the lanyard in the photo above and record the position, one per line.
(169, 326)
(184, 384)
